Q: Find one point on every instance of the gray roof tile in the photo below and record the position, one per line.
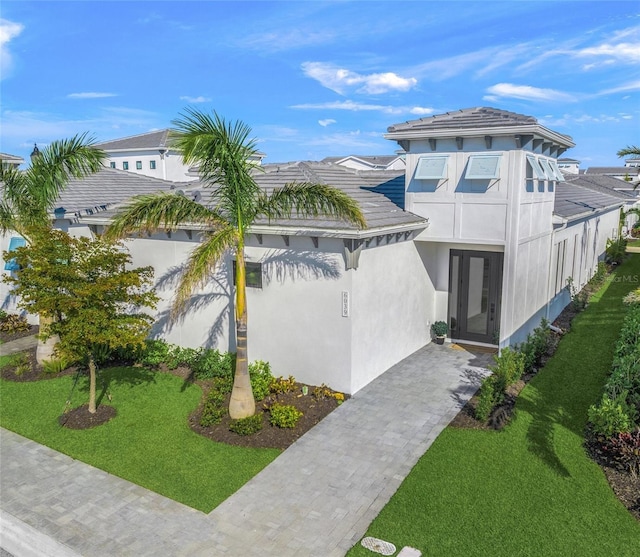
(579, 196)
(152, 140)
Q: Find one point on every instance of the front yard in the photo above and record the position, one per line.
(149, 442)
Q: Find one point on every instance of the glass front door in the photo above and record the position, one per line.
(475, 284)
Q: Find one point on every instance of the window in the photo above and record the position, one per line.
(152, 165)
(538, 173)
(556, 171)
(138, 165)
(125, 165)
(431, 168)
(14, 244)
(112, 164)
(254, 274)
(483, 167)
(548, 172)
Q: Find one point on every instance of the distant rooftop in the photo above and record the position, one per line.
(151, 140)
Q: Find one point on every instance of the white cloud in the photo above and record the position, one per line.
(326, 122)
(632, 86)
(8, 30)
(360, 107)
(526, 92)
(195, 100)
(340, 80)
(90, 95)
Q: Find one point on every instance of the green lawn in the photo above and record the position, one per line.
(634, 243)
(530, 489)
(148, 442)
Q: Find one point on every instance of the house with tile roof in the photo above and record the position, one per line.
(8, 160)
(481, 231)
(150, 154)
(375, 162)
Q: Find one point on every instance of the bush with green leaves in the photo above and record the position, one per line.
(610, 417)
(280, 385)
(179, 356)
(56, 365)
(213, 363)
(536, 346)
(214, 408)
(284, 415)
(154, 353)
(508, 369)
(489, 397)
(261, 379)
(247, 426)
(616, 250)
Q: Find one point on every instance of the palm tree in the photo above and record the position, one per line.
(223, 151)
(28, 197)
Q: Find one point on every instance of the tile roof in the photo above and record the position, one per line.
(106, 188)
(378, 160)
(580, 196)
(151, 140)
(10, 158)
(605, 184)
(630, 170)
(380, 193)
(469, 119)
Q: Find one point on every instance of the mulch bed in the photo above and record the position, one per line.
(32, 370)
(8, 337)
(313, 411)
(81, 418)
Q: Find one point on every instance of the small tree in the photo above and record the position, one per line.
(85, 287)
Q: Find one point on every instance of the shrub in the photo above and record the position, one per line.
(13, 323)
(55, 365)
(261, 379)
(597, 280)
(616, 250)
(154, 353)
(214, 408)
(213, 363)
(284, 415)
(22, 364)
(439, 328)
(508, 368)
(179, 356)
(625, 448)
(536, 346)
(247, 426)
(282, 385)
(490, 396)
(579, 298)
(610, 416)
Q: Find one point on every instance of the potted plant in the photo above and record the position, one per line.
(439, 330)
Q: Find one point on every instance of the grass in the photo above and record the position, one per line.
(633, 243)
(529, 489)
(148, 442)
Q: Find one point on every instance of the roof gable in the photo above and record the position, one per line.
(152, 140)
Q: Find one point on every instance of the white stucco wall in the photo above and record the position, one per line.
(168, 167)
(392, 307)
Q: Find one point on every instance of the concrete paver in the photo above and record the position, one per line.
(18, 345)
(316, 499)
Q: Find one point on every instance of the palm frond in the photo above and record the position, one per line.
(313, 200)
(202, 263)
(62, 160)
(160, 211)
(223, 152)
(630, 150)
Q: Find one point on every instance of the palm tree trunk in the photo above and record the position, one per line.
(92, 385)
(242, 403)
(45, 349)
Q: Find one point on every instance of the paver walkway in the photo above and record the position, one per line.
(316, 499)
(18, 345)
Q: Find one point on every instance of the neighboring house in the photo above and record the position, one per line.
(571, 166)
(150, 154)
(626, 173)
(10, 160)
(376, 162)
(481, 231)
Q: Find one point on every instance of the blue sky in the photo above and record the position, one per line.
(316, 79)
